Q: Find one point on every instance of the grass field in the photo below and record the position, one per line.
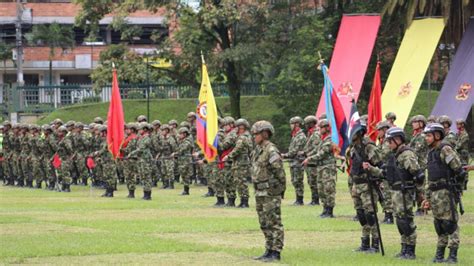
(44, 227)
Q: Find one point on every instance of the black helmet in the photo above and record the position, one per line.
(395, 132)
(435, 127)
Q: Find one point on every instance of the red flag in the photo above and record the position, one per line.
(115, 123)
(90, 163)
(56, 161)
(375, 105)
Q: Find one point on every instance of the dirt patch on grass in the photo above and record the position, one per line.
(19, 229)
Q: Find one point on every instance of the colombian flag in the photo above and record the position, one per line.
(206, 125)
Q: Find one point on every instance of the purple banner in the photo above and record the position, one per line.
(456, 97)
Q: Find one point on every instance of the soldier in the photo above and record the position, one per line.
(145, 159)
(219, 184)
(312, 142)
(15, 155)
(65, 150)
(325, 163)
(420, 147)
(74, 171)
(431, 119)
(130, 164)
(270, 184)
(444, 167)
(173, 125)
(390, 117)
(167, 147)
(98, 120)
(297, 144)
(364, 150)
(108, 164)
(449, 136)
(226, 146)
(81, 147)
(7, 151)
(402, 172)
(462, 144)
(142, 118)
(184, 151)
(191, 118)
(25, 157)
(48, 152)
(37, 153)
(384, 150)
(155, 136)
(240, 157)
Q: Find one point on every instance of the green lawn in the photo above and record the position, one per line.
(44, 227)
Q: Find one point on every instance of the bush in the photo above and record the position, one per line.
(91, 99)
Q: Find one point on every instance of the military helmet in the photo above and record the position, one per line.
(144, 125)
(323, 116)
(165, 126)
(46, 127)
(185, 124)
(173, 122)
(296, 119)
(229, 120)
(98, 120)
(221, 120)
(358, 131)
(58, 121)
(183, 130)
(395, 132)
(323, 123)
(310, 119)
(79, 125)
(391, 115)
(432, 119)
(1, 127)
(444, 119)
(70, 123)
(133, 126)
(156, 123)
(261, 126)
(418, 118)
(382, 124)
(102, 128)
(242, 122)
(7, 123)
(435, 127)
(191, 114)
(461, 121)
(62, 129)
(142, 118)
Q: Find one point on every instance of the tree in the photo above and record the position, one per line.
(53, 36)
(5, 54)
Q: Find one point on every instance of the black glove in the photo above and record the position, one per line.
(420, 177)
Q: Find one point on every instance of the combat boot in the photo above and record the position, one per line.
(299, 201)
(38, 184)
(403, 250)
(107, 193)
(74, 181)
(453, 256)
(185, 191)
(364, 244)
(375, 245)
(210, 193)
(165, 184)
(131, 194)
(439, 257)
(51, 185)
(410, 253)
(30, 183)
(146, 195)
(329, 213)
(84, 181)
(220, 202)
(66, 188)
(244, 203)
(388, 219)
(264, 256)
(273, 256)
(230, 202)
(314, 200)
(324, 213)
(171, 186)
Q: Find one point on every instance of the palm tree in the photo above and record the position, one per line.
(5, 54)
(53, 36)
(456, 13)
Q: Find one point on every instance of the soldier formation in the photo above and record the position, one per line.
(391, 171)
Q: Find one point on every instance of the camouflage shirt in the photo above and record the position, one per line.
(384, 149)
(241, 152)
(462, 146)
(324, 155)
(268, 175)
(184, 150)
(143, 148)
(312, 143)
(420, 147)
(297, 144)
(451, 139)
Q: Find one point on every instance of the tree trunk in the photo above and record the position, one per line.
(234, 89)
(50, 72)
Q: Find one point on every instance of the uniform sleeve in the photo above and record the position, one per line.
(451, 158)
(276, 166)
(373, 154)
(314, 142)
(410, 162)
(238, 149)
(463, 142)
(324, 149)
(296, 145)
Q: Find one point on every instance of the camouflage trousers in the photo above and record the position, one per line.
(110, 172)
(219, 183)
(327, 185)
(130, 171)
(156, 171)
(64, 171)
(185, 172)
(167, 169)
(361, 197)
(387, 204)
(144, 171)
(398, 205)
(240, 174)
(80, 164)
(230, 182)
(269, 217)
(98, 172)
(312, 175)
(15, 166)
(440, 205)
(48, 169)
(297, 179)
(420, 193)
(39, 173)
(25, 169)
(119, 164)
(207, 173)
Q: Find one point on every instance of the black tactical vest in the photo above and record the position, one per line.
(395, 173)
(437, 169)
(356, 162)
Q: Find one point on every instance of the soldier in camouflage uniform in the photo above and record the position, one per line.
(167, 147)
(142, 118)
(462, 144)
(81, 147)
(402, 172)
(325, 163)
(155, 136)
(312, 142)
(25, 156)
(444, 166)
(130, 164)
(390, 118)
(184, 151)
(450, 136)
(216, 172)
(268, 177)
(48, 153)
(7, 151)
(364, 150)
(65, 150)
(37, 153)
(173, 125)
(240, 157)
(96, 143)
(297, 144)
(15, 155)
(431, 119)
(104, 158)
(226, 146)
(384, 149)
(145, 159)
(419, 146)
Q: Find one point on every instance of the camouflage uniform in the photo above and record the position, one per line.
(420, 147)
(313, 141)
(143, 154)
(216, 170)
(297, 144)
(184, 152)
(325, 164)
(230, 183)
(25, 156)
(156, 165)
(240, 157)
(462, 146)
(65, 150)
(387, 205)
(451, 139)
(81, 145)
(49, 151)
(7, 151)
(37, 153)
(108, 167)
(270, 184)
(130, 164)
(167, 147)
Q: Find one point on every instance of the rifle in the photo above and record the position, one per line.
(374, 206)
(455, 193)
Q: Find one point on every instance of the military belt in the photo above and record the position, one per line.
(359, 181)
(398, 187)
(439, 186)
